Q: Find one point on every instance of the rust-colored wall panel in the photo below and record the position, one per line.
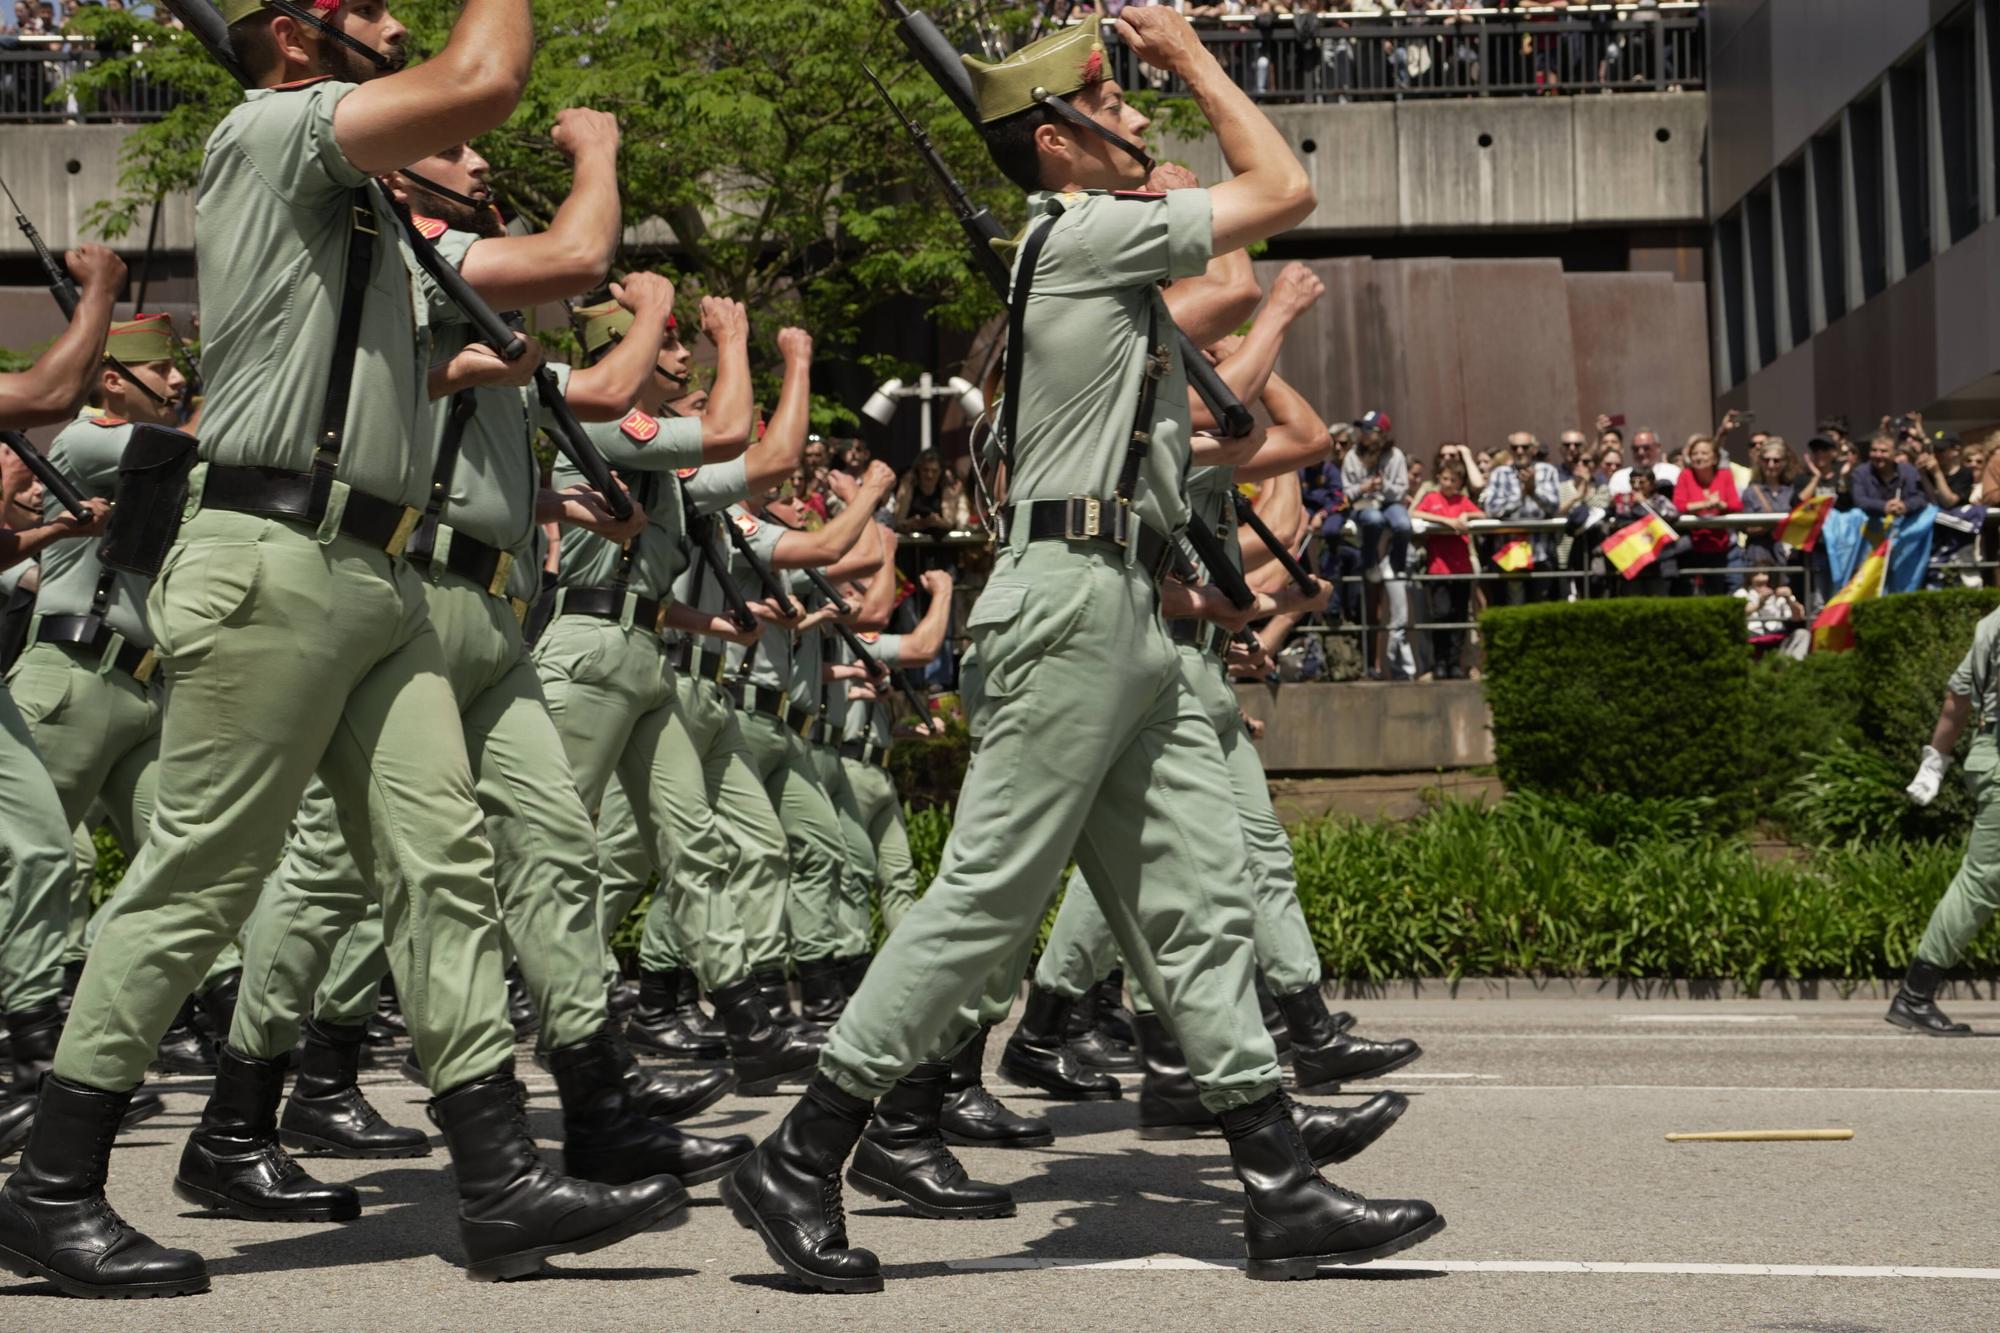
(1641, 349)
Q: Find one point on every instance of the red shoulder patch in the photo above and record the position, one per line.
(685, 472)
(1138, 194)
(639, 427)
(108, 422)
(746, 524)
(429, 228)
(869, 636)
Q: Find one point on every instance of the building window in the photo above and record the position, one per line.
(1866, 194)
(1829, 223)
(1794, 260)
(1909, 95)
(1763, 275)
(1729, 262)
(1956, 94)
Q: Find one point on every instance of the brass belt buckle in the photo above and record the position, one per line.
(1084, 518)
(143, 672)
(364, 220)
(405, 525)
(660, 619)
(497, 585)
(519, 606)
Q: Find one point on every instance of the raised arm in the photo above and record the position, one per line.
(921, 644)
(1248, 367)
(573, 255)
(732, 409)
(1295, 439)
(607, 390)
(49, 390)
(826, 545)
(1270, 191)
(878, 598)
(776, 456)
(1217, 302)
(460, 93)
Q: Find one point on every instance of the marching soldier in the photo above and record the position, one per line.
(296, 641)
(1094, 740)
(34, 837)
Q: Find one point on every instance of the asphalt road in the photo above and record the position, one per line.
(1537, 1128)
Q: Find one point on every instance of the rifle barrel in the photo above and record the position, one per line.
(53, 481)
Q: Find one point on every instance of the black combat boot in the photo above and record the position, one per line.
(72, 974)
(217, 1006)
(328, 1113)
(1038, 1056)
(17, 1117)
(852, 970)
(1090, 1044)
(233, 1164)
(1334, 1134)
(388, 1024)
(1294, 1222)
(605, 1136)
(521, 1006)
(1274, 1018)
(622, 998)
(36, 1032)
(975, 1117)
(513, 1211)
(185, 1049)
(1114, 1018)
(668, 1098)
(763, 1053)
(656, 1026)
(821, 996)
(1169, 1103)
(777, 993)
(1915, 1006)
(788, 1192)
(902, 1158)
(55, 1223)
(697, 1020)
(1323, 1057)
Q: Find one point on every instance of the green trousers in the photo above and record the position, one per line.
(879, 808)
(817, 907)
(1968, 904)
(1093, 742)
(82, 916)
(36, 880)
(353, 985)
(286, 657)
(545, 866)
(613, 694)
(1081, 950)
(755, 869)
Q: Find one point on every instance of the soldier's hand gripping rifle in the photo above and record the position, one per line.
(1247, 515)
(940, 60)
(202, 19)
(877, 669)
(51, 477)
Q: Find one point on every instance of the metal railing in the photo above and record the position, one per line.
(1407, 640)
(32, 73)
(1343, 57)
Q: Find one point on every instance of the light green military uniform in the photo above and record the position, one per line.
(613, 692)
(870, 808)
(1094, 740)
(1081, 949)
(1969, 903)
(544, 863)
(289, 652)
(35, 871)
(815, 903)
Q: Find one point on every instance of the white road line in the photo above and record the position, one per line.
(1177, 1263)
(1400, 1075)
(1683, 1087)
(1709, 1018)
(1472, 1035)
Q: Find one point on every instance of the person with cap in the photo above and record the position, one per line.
(87, 685)
(35, 863)
(1093, 741)
(296, 641)
(1377, 480)
(480, 526)
(1972, 699)
(610, 674)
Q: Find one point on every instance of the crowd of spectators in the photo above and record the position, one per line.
(1412, 597)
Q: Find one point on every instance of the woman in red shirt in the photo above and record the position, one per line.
(1450, 552)
(1704, 491)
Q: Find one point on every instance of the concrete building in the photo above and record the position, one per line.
(1851, 201)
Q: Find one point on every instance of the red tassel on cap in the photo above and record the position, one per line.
(1093, 68)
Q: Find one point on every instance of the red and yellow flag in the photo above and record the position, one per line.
(1801, 527)
(1515, 556)
(1631, 549)
(1833, 627)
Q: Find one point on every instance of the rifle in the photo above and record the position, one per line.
(701, 529)
(63, 290)
(773, 589)
(867, 659)
(51, 477)
(202, 19)
(1247, 515)
(940, 60)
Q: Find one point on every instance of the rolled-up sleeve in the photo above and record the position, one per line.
(1136, 240)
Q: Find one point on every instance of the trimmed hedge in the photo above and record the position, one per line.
(1906, 647)
(1638, 696)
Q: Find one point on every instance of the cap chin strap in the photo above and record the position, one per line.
(1043, 97)
(443, 191)
(303, 15)
(131, 377)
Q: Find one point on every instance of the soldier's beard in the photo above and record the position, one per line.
(483, 221)
(343, 62)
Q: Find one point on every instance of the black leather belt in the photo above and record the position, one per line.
(1088, 520)
(470, 558)
(92, 636)
(772, 703)
(609, 604)
(275, 492)
(865, 752)
(818, 732)
(701, 663)
(1201, 635)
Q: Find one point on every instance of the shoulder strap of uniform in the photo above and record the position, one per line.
(1141, 441)
(346, 344)
(464, 405)
(1017, 324)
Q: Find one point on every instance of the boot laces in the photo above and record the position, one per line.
(832, 1209)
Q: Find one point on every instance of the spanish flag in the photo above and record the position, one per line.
(1515, 556)
(1833, 627)
(1631, 549)
(1801, 527)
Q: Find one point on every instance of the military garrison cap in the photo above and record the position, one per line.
(138, 341)
(602, 325)
(1056, 66)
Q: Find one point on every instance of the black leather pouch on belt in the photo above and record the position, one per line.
(152, 489)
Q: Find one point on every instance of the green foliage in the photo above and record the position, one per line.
(1641, 696)
(929, 770)
(1907, 647)
(1803, 707)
